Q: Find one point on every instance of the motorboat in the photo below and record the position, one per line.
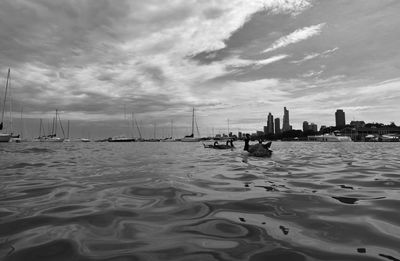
(329, 138)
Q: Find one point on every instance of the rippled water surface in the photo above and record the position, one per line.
(180, 201)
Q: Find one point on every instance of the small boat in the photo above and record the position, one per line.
(5, 137)
(228, 145)
(259, 150)
(120, 139)
(389, 137)
(329, 138)
(15, 138)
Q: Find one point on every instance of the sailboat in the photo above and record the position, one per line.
(53, 136)
(170, 139)
(6, 137)
(191, 138)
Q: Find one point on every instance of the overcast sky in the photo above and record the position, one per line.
(230, 59)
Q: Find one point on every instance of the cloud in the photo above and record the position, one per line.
(295, 37)
(91, 57)
(236, 62)
(311, 56)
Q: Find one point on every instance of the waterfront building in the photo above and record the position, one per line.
(313, 127)
(277, 126)
(285, 124)
(259, 133)
(309, 127)
(340, 119)
(270, 124)
(305, 126)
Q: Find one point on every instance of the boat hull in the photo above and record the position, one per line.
(5, 137)
(330, 138)
(190, 139)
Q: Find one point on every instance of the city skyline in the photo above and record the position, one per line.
(98, 61)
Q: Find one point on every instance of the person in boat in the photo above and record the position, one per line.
(210, 146)
(257, 150)
(228, 145)
(246, 142)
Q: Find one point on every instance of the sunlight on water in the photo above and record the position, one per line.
(180, 201)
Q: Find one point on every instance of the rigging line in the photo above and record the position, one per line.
(197, 127)
(62, 129)
(137, 125)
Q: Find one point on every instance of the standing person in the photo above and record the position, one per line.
(246, 142)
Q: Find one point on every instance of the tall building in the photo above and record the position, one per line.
(305, 126)
(270, 124)
(340, 119)
(277, 126)
(285, 124)
(313, 127)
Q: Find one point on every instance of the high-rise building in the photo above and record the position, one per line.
(277, 126)
(270, 124)
(285, 124)
(305, 126)
(313, 127)
(340, 119)
(309, 126)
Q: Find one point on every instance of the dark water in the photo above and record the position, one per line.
(179, 201)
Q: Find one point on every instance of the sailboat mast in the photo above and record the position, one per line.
(68, 131)
(40, 129)
(172, 128)
(55, 124)
(132, 125)
(193, 123)
(5, 99)
(22, 124)
(11, 119)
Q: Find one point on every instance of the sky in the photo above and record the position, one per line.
(103, 62)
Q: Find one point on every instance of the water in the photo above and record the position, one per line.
(179, 201)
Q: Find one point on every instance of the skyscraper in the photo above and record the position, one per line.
(340, 119)
(313, 127)
(305, 126)
(285, 124)
(277, 126)
(270, 124)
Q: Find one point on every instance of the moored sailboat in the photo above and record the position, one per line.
(191, 138)
(6, 137)
(53, 136)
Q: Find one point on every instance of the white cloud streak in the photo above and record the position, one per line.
(295, 37)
